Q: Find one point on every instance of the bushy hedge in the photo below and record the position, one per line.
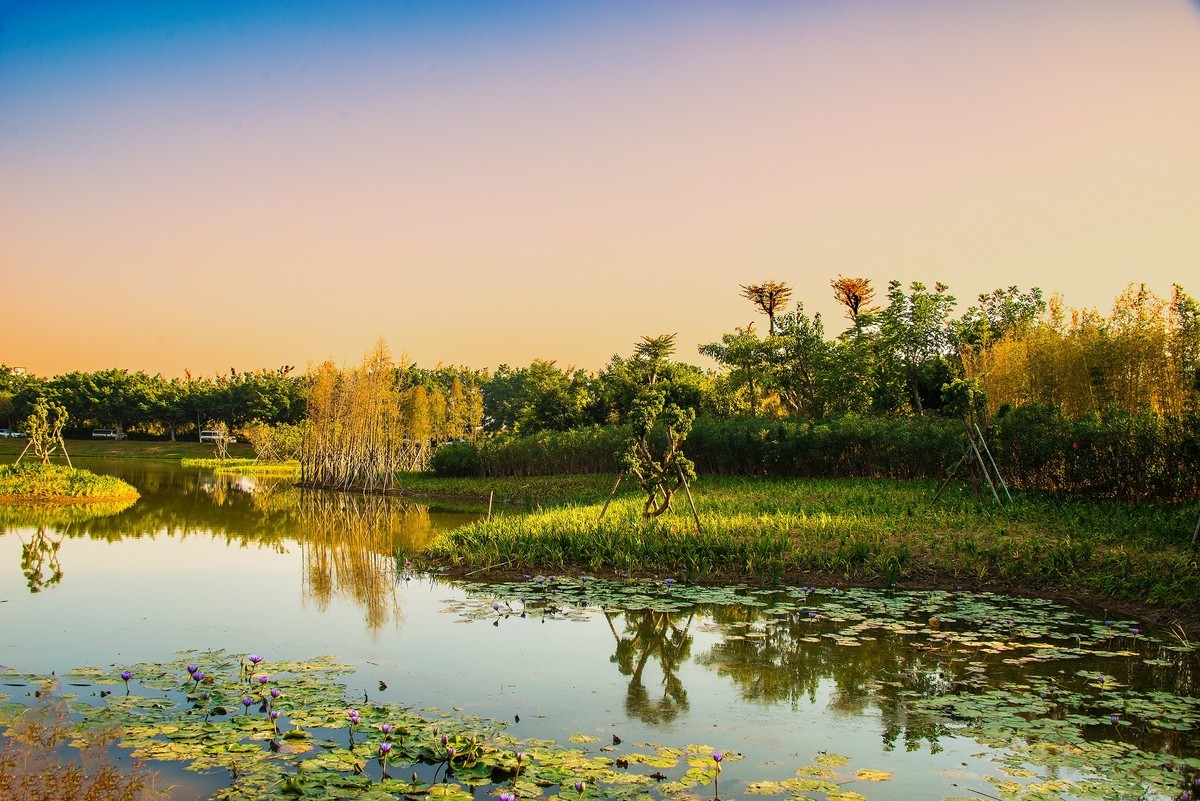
(581, 450)
(1112, 455)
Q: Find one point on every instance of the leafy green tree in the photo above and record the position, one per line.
(540, 397)
(1000, 313)
(915, 343)
(748, 359)
(44, 427)
(659, 465)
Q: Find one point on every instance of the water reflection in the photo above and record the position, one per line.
(41, 529)
(664, 637)
(351, 546)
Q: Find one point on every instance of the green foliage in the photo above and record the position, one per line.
(27, 481)
(583, 450)
(866, 530)
(44, 427)
(313, 742)
(1115, 454)
(659, 471)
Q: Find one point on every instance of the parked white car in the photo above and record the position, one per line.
(5, 433)
(107, 433)
(209, 435)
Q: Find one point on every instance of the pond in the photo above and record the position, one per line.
(823, 693)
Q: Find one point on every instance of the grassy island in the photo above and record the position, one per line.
(844, 531)
(54, 483)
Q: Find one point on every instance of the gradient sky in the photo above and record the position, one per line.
(208, 185)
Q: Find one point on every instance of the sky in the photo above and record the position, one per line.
(207, 185)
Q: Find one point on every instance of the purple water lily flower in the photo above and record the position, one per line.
(718, 757)
(385, 747)
(126, 676)
(386, 728)
(191, 669)
(262, 679)
(580, 787)
(274, 714)
(507, 797)
(254, 659)
(275, 692)
(246, 702)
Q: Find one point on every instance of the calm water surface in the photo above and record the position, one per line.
(255, 565)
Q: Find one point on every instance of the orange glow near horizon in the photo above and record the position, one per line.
(560, 195)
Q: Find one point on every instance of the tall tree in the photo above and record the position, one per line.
(915, 335)
(856, 295)
(771, 298)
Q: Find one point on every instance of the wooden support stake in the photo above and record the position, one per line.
(988, 451)
(610, 496)
(22, 456)
(491, 494)
(983, 467)
(688, 490)
(950, 476)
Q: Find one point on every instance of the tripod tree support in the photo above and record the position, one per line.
(966, 397)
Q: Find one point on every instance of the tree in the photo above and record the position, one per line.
(748, 359)
(856, 295)
(771, 298)
(915, 339)
(1000, 313)
(44, 427)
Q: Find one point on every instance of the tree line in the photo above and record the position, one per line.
(894, 354)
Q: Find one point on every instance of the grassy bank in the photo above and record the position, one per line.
(245, 466)
(28, 482)
(852, 530)
(132, 449)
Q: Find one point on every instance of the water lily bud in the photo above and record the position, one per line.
(126, 675)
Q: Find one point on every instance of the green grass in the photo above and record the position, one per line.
(528, 490)
(245, 466)
(866, 531)
(29, 482)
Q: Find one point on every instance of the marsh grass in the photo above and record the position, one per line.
(875, 531)
(54, 483)
(245, 466)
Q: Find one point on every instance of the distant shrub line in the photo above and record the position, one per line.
(1116, 454)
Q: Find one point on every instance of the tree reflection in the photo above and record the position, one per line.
(648, 634)
(787, 657)
(42, 529)
(352, 546)
(39, 556)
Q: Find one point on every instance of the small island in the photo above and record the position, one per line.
(55, 483)
(44, 482)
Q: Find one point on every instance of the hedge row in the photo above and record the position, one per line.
(1114, 455)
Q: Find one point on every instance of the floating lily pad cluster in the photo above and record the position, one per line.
(286, 729)
(1047, 687)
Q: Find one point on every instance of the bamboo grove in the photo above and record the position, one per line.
(369, 422)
